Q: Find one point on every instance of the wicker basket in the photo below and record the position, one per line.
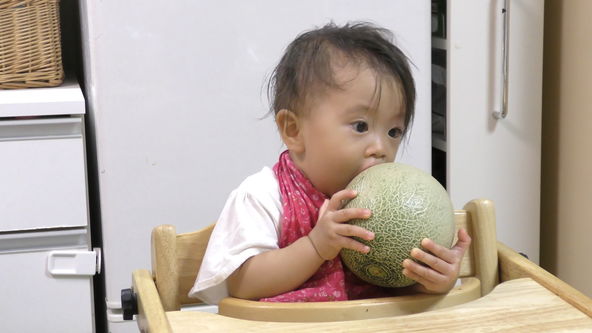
(30, 48)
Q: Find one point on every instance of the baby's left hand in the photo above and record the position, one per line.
(442, 265)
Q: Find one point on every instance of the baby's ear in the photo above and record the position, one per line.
(288, 124)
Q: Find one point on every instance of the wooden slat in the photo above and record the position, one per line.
(482, 214)
(463, 220)
(164, 267)
(151, 316)
(514, 266)
(191, 248)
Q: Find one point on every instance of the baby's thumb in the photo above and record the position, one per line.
(323, 208)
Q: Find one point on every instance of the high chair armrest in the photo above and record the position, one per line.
(514, 266)
(151, 315)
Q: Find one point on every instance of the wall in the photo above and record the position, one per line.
(566, 200)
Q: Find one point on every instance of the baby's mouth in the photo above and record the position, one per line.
(369, 165)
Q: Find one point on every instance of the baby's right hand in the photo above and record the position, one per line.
(331, 233)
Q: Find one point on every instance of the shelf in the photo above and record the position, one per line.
(439, 43)
(66, 99)
(439, 141)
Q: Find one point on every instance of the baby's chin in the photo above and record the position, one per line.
(342, 185)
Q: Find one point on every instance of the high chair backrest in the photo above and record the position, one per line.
(176, 258)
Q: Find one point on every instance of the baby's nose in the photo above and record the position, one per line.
(377, 148)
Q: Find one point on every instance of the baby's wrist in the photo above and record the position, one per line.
(314, 246)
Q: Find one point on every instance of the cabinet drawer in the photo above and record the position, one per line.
(32, 299)
(42, 174)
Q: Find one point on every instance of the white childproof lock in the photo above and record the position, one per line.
(74, 262)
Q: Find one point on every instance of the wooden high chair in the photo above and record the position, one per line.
(176, 259)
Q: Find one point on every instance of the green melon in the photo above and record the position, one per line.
(407, 206)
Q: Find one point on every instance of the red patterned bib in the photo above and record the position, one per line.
(301, 202)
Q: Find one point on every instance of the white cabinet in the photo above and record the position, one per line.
(44, 209)
(486, 157)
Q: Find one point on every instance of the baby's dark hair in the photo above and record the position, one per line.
(306, 66)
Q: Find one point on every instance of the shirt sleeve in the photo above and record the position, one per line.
(248, 225)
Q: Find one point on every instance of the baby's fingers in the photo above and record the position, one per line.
(349, 230)
(352, 244)
(338, 198)
(429, 278)
(344, 215)
(464, 241)
(439, 251)
(437, 264)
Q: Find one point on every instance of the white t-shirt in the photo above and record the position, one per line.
(248, 225)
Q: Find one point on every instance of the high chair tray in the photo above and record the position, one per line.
(528, 297)
(511, 305)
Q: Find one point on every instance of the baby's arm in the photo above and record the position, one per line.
(443, 264)
(278, 271)
(274, 272)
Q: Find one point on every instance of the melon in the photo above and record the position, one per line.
(407, 206)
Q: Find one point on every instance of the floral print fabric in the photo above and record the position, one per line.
(301, 202)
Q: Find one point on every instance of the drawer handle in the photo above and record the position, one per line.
(39, 129)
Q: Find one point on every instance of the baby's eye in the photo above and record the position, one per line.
(360, 126)
(395, 132)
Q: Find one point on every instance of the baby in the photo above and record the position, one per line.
(343, 99)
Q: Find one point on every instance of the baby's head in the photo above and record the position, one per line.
(307, 69)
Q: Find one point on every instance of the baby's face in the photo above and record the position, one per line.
(346, 131)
